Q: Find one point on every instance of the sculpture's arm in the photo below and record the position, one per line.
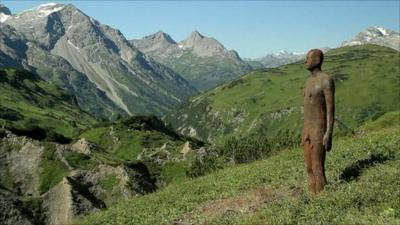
(329, 94)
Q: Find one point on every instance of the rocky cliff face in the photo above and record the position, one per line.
(13, 48)
(202, 60)
(61, 39)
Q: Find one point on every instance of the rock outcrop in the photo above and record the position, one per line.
(23, 168)
(14, 210)
(20, 159)
(82, 146)
(69, 199)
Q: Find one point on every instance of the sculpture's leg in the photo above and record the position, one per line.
(323, 165)
(308, 149)
(318, 158)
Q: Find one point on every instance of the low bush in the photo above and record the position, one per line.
(204, 163)
(255, 147)
(241, 150)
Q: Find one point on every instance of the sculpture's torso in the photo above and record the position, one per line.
(314, 108)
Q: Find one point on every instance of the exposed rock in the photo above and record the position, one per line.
(78, 194)
(112, 133)
(95, 179)
(82, 146)
(58, 203)
(4, 13)
(20, 161)
(186, 148)
(4, 10)
(158, 155)
(87, 191)
(67, 200)
(140, 179)
(192, 131)
(14, 211)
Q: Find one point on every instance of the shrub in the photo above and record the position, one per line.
(372, 111)
(10, 114)
(80, 161)
(255, 147)
(204, 163)
(241, 150)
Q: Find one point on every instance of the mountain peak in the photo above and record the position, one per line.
(154, 41)
(162, 36)
(4, 13)
(4, 10)
(204, 46)
(194, 38)
(195, 35)
(379, 31)
(376, 35)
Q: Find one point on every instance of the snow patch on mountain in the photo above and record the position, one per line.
(383, 31)
(44, 10)
(3, 17)
(48, 4)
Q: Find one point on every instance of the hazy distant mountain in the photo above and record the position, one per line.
(74, 51)
(378, 36)
(277, 59)
(373, 35)
(203, 61)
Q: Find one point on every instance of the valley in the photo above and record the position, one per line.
(98, 128)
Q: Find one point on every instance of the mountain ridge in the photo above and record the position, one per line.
(201, 60)
(376, 35)
(134, 82)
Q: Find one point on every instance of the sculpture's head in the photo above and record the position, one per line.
(314, 59)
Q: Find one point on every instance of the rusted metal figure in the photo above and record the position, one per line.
(319, 111)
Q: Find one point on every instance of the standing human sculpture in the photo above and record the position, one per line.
(319, 111)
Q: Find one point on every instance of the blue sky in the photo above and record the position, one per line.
(253, 28)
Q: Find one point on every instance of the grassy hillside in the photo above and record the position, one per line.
(26, 102)
(270, 100)
(362, 172)
(140, 139)
(205, 73)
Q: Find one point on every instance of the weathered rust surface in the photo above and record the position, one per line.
(319, 110)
